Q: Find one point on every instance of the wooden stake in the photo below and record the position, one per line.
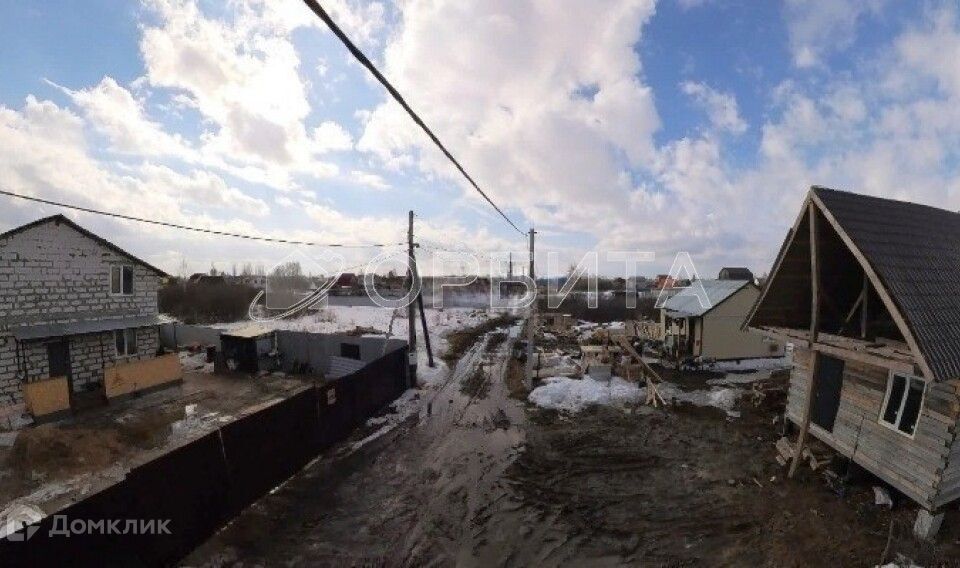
(814, 323)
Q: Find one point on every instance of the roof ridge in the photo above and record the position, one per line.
(60, 217)
(819, 189)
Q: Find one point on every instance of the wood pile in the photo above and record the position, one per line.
(817, 456)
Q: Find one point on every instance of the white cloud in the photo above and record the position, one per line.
(203, 189)
(817, 27)
(330, 136)
(242, 74)
(114, 112)
(369, 179)
(542, 120)
(721, 108)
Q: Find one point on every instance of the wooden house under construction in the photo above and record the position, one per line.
(868, 292)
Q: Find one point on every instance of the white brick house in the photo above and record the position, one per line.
(71, 305)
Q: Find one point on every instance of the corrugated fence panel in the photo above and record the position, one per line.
(200, 486)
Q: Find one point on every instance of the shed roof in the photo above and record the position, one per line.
(26, 332)
(687, 303)
(249, 331)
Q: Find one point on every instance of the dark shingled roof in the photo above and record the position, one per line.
(735, 273)
(915, 251)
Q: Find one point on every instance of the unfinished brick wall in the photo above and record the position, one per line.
(52, 273)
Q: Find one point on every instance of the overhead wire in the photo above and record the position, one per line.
(195, 229)
(362, 58)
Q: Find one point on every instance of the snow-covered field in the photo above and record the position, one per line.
(440, 322)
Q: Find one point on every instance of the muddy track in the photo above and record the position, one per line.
(486, 481)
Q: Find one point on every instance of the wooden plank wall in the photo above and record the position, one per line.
(135, 376)
(914, 466)
(47, 396)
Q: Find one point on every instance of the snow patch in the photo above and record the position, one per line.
(723, 398)
(763, 364)
(573, 395)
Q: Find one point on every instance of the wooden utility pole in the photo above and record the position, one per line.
(532, 322)
(814, 330)
(426, 333)
(411, 308)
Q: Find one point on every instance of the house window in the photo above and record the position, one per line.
(901, 407)
(121, 280)
(126, 340)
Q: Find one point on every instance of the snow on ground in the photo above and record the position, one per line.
(79, 486)
(573, 395)
(768, 364)
(195, 362)
(404, 407)
(732, 379)
(338, 319)
(718, 397)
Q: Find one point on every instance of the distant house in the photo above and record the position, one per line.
(866, 289)
(346, 284)
(735, 273)
(663, 281)
(78, 320)
(252, 280)
(711, 329)
(202, 278)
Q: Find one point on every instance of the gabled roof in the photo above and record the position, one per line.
(686, 303)
(910, 253)
(58, 219)
(915, 251)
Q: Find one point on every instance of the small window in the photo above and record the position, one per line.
(350, 351)
(901, 408)
(121, 280)
(126, 340)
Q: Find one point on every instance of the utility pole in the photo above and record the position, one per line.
(411, 308)
(532, 321)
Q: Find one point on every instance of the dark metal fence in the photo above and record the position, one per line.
(197, 488)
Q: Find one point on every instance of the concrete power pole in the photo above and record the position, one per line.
(532, 322)
(411, 307)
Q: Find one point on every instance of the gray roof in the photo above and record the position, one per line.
(249, 331)
(915, 251)
(25, 332)
(687, 304)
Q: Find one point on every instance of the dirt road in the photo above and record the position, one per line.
(484, 481)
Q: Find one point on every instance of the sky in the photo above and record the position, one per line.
(608, 125)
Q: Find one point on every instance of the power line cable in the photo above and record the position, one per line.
(195, 229)
(359, 55)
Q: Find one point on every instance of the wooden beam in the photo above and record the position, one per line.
(805, 421)
(878, 287)
(814, 273)
(853, 310)
(863, 311)
(814, 329)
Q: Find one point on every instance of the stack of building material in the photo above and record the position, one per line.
(817, 456)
